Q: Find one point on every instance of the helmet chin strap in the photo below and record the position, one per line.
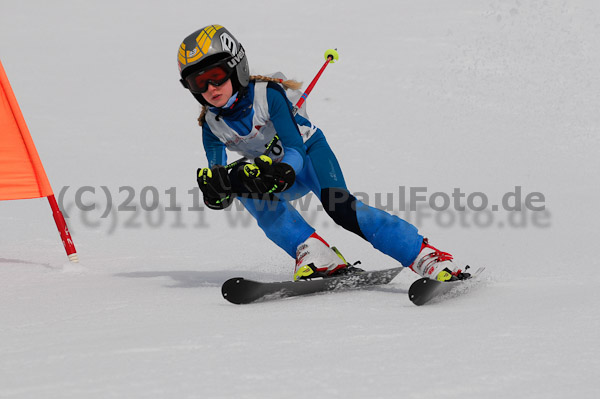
(231, 100)
(229, 103)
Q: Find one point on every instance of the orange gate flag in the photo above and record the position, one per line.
(22, 174)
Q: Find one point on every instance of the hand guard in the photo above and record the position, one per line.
(215, 186)
(264, 176)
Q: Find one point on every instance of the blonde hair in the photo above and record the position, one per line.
(287, 84)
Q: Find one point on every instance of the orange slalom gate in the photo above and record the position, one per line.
(22, 174)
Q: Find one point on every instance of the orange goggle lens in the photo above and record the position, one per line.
(216, 75)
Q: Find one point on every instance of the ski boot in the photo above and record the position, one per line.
(437, 265)
(315, 259)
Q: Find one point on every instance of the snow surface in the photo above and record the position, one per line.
(477, 95)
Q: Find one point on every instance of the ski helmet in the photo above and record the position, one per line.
(210, 46)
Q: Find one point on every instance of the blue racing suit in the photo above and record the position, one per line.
(246, 126)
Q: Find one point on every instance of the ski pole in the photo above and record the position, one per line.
(331, 56)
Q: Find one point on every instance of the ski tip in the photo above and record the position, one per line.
(229, 292)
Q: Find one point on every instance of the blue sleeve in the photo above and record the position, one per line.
(293, 158)
(215, 150)
(280, 112)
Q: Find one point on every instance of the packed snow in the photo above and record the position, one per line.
(498, 99)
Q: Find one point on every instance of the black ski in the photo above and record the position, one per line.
(425, 289)
(238, 290)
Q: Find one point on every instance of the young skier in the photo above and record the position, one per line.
(242, 113)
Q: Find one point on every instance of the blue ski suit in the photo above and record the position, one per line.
(263, 110)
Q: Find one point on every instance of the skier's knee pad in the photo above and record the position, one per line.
(340, 205)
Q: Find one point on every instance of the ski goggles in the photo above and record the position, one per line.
(216, 74)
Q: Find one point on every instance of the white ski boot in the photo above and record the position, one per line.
(314, 258)
(436, 265)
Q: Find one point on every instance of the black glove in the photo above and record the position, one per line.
(264, 176)
(215, 186)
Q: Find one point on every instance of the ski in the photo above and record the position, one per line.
(425, 289)
(239, 290)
